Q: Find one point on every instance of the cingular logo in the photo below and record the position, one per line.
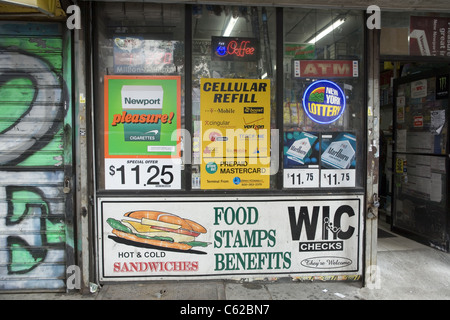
(324, 101)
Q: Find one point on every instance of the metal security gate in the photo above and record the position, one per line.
(36, 241)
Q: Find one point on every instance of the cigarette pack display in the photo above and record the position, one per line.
(301, 148)
(340, 153)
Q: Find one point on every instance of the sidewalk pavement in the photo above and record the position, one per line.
(407, 271)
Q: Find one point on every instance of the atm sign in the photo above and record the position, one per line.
(325, 68)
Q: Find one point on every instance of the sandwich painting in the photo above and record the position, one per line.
(159, 230)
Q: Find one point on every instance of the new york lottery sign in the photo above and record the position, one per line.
(324, 101)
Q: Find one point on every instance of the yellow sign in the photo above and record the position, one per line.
(399, 165)
(50, 8)
(235, 133)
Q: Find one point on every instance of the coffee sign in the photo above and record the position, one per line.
(234, 49)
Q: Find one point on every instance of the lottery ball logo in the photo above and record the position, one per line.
(324, 101)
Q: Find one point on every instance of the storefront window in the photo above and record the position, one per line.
(140, 66)
(415, 34)
(144, 135)
(324, 105)
(233, 108)
(214, 126)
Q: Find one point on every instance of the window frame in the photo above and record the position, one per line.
(278, 190)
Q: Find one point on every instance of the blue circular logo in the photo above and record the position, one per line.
(211, 167)
(236, 180)
(324, 101)
(221, 50)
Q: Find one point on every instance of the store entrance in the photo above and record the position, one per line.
(414, 147)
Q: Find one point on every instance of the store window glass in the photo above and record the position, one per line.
(418, 34)
(233, 97)
(324, 105)
(139, 95)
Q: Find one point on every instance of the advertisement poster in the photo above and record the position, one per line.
(429, 36)
(142, 140)
(419, 89)
(246, 237)
(136, 55)
(313, 160)
(301, 159)
(442, 87)
(401, 104)
(300, 50)
(338, 160)
(235, 133)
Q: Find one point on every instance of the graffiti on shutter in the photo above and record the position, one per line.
(34, 122)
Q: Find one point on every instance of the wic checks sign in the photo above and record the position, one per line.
(222, 238)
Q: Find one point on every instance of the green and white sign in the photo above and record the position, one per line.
(142, 136)
(142, 115)
(230, 238)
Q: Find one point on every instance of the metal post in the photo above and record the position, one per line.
(81, 155)
(373, 116)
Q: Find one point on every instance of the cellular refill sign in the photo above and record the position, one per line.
(222, 238)
(142, 115)
(235, 131)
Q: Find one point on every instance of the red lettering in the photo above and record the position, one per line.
(326, 68)
(168, 266)
(241, 49)
(167, 58)
(143, 118)
(153, 266)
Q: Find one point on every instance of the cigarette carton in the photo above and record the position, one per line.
(301, 148)
(340, 153)
(142, 103)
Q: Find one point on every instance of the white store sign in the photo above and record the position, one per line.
(231, 238)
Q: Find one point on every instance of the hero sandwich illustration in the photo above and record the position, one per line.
(158, 229)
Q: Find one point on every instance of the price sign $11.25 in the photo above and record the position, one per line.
(142, 174)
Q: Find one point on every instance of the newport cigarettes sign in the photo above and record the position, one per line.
(142, 97)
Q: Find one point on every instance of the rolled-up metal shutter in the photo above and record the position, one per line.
(35, 157)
